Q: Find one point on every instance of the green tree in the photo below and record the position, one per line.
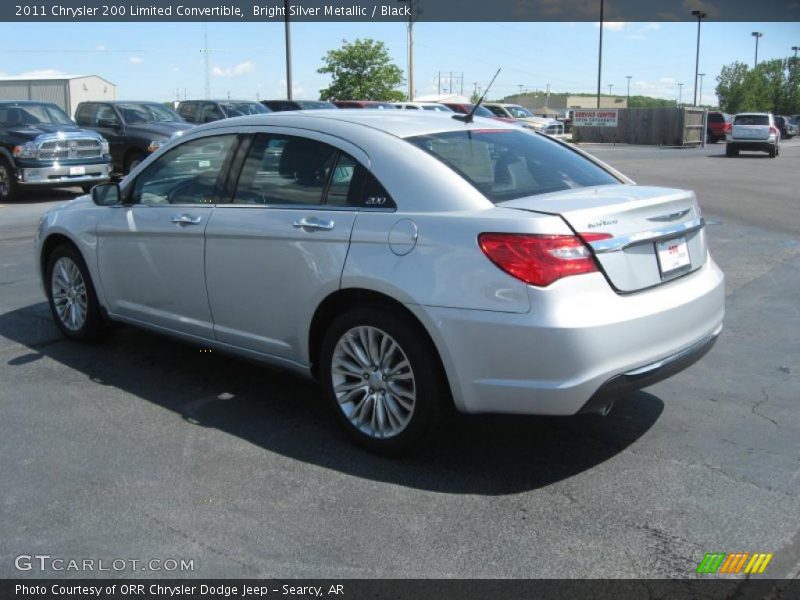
(362, 70)
(773, 86)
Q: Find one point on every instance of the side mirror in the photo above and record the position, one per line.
(106, 194)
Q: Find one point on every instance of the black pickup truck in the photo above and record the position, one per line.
(40, 146)
(133, 129)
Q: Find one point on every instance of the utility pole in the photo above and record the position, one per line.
(288, 40)
(700, 16)
(600, 53)
(520, 89)
(757, 35)
(610, 85)
(412, 4)
(547, 97)
(628, 103)
(680, 93)
(701, 75)
(205, 55)
(462, 83)
(439, 86)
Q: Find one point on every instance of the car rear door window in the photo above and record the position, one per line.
(285, 170)
(188, 111)
(187, 174)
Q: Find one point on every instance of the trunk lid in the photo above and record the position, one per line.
(655, 234)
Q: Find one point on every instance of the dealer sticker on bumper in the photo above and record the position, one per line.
(73, 171)
(673, 256)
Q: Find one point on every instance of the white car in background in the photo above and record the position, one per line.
(429, 106)
(408, 260)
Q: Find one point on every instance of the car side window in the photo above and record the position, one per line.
(285, 170)
(188, 110)
(105, 116)
(354, 186)
(187, 174)
(210, 111)
(85, 114)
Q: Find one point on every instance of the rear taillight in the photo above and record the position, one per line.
(773, 130)
(540, 259)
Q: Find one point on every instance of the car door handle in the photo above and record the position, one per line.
(313, 223)
(186, 219)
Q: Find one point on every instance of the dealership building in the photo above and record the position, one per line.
(66, 91)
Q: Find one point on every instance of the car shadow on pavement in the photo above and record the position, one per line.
(286, 414)
(46, 195)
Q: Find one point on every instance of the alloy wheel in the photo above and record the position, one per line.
(69, 294)
(373, 382)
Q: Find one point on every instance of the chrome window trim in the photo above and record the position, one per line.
(643, 237)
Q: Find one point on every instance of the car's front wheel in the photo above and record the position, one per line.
(383, 378)
(71, 294)
(8, 183)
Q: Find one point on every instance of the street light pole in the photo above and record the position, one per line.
(701, 75)
(700, 16)
(610, 85)
(628, 77)
(756, 34)
(411, 5)
(680, 93)
(288, 39)
(600, 53)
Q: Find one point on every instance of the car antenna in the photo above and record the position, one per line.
(468, 118)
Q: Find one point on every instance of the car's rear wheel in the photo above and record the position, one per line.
(8, 183)
(383, 379)
(72, 297)
(773, 151)
(731, 151)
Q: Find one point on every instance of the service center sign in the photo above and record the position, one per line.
(595, 117)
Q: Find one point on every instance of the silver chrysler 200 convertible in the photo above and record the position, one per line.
(410, 262)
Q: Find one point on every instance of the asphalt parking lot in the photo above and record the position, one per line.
(142, 447)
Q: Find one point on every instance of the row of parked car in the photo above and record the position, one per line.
(41, 146)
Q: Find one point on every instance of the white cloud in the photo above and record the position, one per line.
(613, 25)
(176, 69)
(649, 27)
(136, 60)
(100, 48)
(297, 89)
(242, 68)
(666, 80)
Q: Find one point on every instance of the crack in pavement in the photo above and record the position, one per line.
(759, 403)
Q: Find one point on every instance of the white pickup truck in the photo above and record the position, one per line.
(753, 131)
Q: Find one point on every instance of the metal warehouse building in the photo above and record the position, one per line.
(66, 91)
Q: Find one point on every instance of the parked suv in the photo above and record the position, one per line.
(133, 129)
(754, 131)
(40, 146)
(785, 127)
(207, 111)
(717, 126)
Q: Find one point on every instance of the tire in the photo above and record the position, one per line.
(401, 413)
(8, 182)
(132, 161)
(773, 151)
(731, 151)
(71, 295)
(87, 188)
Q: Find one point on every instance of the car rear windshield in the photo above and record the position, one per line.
(751, 120)
(505, 164)
(21, 115)
(716, 118)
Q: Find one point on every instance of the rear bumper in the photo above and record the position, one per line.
(580, 346)
(626, 383)
(752, 146)
(64, 175)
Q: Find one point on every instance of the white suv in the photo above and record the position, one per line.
(754, 131)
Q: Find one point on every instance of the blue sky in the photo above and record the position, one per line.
(153, 60)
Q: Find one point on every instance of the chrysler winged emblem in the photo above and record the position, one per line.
(72, 149)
